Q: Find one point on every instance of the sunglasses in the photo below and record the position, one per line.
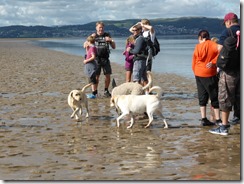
(135, 30)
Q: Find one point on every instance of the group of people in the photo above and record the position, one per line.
(137, 61)
(222, 87)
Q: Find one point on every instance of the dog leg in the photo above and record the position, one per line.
(165, 123)
(132, 120)
(74, 112)
(150, 116)
(121, 116)
(87, 110)
(164, 120)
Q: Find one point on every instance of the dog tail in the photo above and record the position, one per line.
(149, 77)
(158, 89)
(86, 86)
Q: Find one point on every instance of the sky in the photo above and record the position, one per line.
(77, 12)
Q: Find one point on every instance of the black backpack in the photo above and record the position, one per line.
(154, 48)
(102, 46)
(229, 56)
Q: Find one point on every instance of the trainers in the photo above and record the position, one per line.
(91, 96)
(219, 123)
(206, 122)
(221, 130)
(235, 121)
(107, 94)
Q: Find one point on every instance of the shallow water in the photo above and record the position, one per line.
(39, 141)
(54, 147)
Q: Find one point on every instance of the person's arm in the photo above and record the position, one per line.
(149, 27)
(138, 46)
(131, 28)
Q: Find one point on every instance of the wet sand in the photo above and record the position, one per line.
(39, 141)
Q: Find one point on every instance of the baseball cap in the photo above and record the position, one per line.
(230, 16)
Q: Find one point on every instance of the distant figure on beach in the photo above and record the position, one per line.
(204, 67)
(103, 42)
(229, 80)
(130, 41)
(90, 65)
(140, 56)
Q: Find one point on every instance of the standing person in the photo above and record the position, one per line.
(229, 82)
(103, 42)
(90, 65)
(147, 31)
(140, 56)
(205, 71)
(129, 58)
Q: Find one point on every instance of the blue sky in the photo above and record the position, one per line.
(70, 12)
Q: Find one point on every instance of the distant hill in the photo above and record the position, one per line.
(163, 26)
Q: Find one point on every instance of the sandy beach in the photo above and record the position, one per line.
(39, 140)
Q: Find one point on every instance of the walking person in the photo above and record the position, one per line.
(103, 42)
(229, 82)
(205, 71)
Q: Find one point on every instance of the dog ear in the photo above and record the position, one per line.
(71, 94)
(112, 102)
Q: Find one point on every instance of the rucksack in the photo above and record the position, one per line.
(153, 47)
(102, 46)
(229, 56)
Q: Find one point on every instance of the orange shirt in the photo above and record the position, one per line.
(204, 53)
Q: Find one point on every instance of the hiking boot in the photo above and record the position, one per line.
(91, 96)
(107, 94)
(206, 122)
(235, 121)
(221, 130)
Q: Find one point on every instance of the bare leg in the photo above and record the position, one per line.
(203, 111)
(107, 80)
(225, 117)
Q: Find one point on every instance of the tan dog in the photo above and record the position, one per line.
(132, 88)
(138, 104)
(76, 99)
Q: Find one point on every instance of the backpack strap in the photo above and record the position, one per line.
(237, 36)
(238, 33)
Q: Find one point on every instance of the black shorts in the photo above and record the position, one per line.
(103, 64)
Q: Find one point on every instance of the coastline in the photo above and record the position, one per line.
(41, 142)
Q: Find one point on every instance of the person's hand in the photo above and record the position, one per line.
(209, 65)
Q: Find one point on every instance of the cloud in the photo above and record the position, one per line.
(69, 12)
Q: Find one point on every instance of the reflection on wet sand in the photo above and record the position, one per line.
(39, 141)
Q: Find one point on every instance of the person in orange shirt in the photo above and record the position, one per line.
(204, 67)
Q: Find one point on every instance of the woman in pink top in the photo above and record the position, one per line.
(129, 58)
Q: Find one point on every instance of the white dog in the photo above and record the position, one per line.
(76, 99)
(132, 88)
(138, 104)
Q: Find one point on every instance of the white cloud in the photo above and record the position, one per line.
(68, 12)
